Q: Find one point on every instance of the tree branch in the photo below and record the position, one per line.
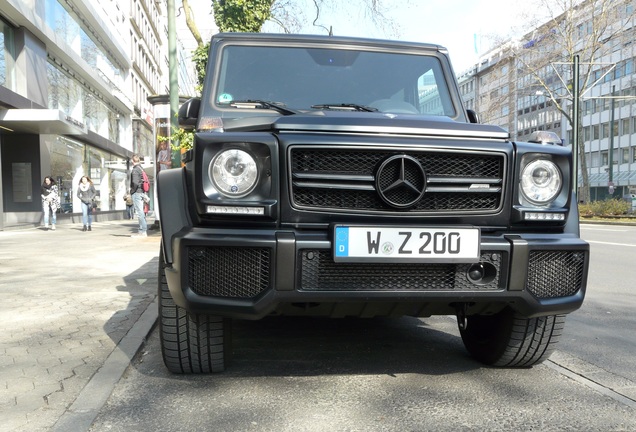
(192, 26)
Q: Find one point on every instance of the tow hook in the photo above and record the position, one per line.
(462, 320)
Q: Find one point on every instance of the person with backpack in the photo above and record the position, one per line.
(129, 205)
(139, 185)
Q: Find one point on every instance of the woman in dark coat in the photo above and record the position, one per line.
(86, 193)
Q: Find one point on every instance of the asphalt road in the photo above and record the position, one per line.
(603, 331)
(291, 374)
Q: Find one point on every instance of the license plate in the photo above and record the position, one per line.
(406, 244)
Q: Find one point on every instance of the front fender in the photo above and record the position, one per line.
(572, 223)
(172, 198)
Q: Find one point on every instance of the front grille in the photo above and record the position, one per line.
(228, 272)
(325, 179)
(320, 273)
(555, 273)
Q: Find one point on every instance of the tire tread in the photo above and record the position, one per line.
(190, 343)
(508, 339)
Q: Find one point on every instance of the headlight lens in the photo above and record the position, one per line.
(541, 181)
(234, 173)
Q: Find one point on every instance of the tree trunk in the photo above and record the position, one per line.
(584, 187)
(190, 22)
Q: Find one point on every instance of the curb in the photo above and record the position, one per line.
(83, 411)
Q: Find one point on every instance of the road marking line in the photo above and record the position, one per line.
(610, 243)
(591, 384)
(595, 228)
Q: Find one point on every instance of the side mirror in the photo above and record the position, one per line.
(545, 137)
(189, 113)
(473, 117)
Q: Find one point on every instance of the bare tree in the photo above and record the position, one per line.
(593, 30)
(192, 25)
(289, 15)
(292, 15)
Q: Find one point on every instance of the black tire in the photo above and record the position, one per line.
(190, 343)
(508, 339)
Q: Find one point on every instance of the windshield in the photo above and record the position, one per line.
(320, 78)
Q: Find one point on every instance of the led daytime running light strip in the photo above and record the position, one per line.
(236, 210)
(544, 216)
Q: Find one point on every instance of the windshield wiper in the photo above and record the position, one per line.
(345, 107)
(261, 104)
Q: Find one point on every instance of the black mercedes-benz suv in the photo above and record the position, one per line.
(339, 177)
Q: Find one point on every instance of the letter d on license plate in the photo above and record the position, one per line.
(407, 244)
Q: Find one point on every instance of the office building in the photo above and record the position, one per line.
(504, 90)
(75, 77)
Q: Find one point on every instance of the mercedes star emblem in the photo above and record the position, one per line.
(400, 181)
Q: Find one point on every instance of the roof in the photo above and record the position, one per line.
(324, 39)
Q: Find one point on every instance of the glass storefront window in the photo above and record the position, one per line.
(67, 95)
(67, 157)
(95, 170)
(70, 160)
(66, 25)
(144, 140)
(6, 56)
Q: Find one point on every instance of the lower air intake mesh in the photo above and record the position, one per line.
(555, 273)
(320, 273)
(228, 272)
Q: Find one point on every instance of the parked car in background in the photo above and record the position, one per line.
(631, 198)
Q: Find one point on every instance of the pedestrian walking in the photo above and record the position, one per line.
(86, 193)
(50, 201)
(138, 194)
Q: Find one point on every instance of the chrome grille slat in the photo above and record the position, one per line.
(451, 189)
(432, 179)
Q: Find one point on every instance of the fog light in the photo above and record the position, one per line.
(481, 273)
(476, 272)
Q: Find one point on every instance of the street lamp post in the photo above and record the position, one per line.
(173, 76)
(610, 180)
(575, 124)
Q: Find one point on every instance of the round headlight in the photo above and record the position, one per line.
(541, 181)
(234, 173)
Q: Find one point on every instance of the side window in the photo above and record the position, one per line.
(429, 96)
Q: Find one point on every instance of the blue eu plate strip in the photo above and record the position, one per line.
(342, 241)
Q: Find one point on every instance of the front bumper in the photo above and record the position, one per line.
(252, 273)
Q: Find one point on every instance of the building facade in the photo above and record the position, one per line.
(75, 77)
(535, 98)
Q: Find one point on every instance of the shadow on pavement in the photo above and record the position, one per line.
(294, 346)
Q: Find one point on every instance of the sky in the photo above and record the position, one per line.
(465, 27)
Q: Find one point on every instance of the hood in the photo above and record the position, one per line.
(367, 123)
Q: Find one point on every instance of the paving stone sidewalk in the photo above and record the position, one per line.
(70, 300)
